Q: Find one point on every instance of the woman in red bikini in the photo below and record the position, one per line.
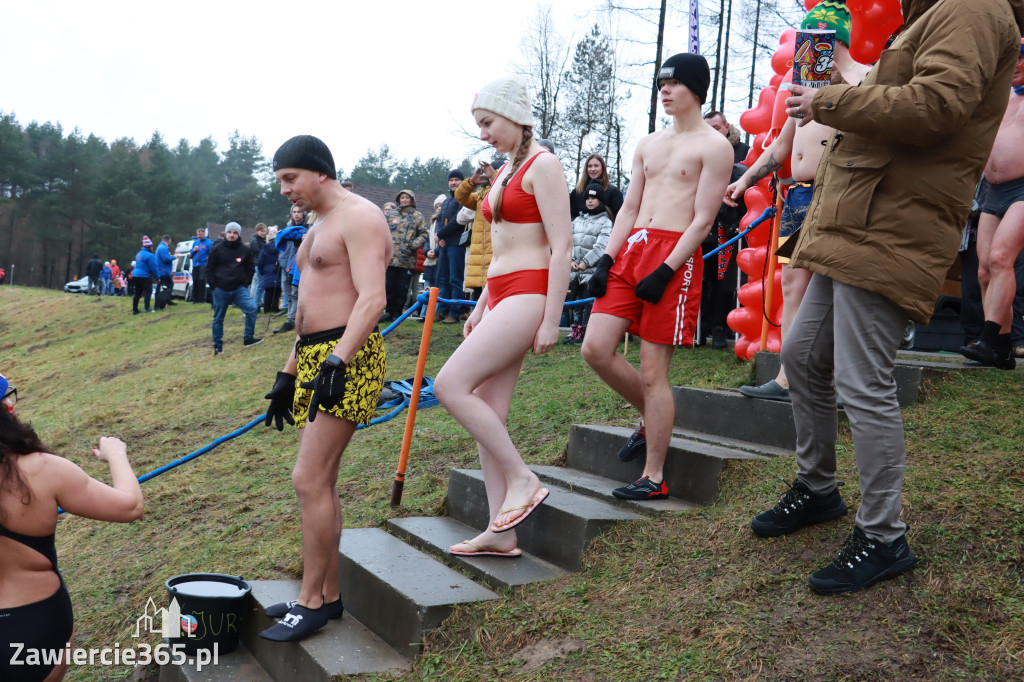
(531, 241)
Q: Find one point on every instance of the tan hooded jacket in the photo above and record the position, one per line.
(895, 183)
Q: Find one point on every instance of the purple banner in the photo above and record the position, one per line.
(694, 28)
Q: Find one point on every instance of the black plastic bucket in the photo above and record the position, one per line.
(211, 607)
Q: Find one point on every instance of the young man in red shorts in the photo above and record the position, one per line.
(648, 280)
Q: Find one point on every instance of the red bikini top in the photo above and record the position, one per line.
(517, 205)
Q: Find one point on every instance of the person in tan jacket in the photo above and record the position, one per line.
(470, 194)
(891, 195)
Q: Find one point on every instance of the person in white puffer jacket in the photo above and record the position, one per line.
(590, 232)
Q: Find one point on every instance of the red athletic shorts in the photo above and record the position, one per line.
(672, 320)
(515, 283)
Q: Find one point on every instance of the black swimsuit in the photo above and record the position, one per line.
(45, 624)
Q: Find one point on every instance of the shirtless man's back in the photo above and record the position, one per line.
(803, 145)
(1001, 232)
(339, 362)
(653, 290)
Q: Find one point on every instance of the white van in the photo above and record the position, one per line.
(182, 272)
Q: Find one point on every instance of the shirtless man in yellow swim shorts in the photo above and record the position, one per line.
(338, 359)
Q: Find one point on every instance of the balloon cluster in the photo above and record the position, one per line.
(873, 22)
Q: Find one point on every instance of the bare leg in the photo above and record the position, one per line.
(660, 409)
(987, 225)
(794, 284)
(599, 350)
(496, 345)
(315, 479)
(1006, 243)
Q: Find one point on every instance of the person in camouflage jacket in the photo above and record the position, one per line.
(408, 234)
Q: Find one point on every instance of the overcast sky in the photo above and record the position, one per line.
(356, 74)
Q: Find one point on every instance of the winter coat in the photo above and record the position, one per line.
(590, 233)
(201, 251)
(230, 265)
(145, 265)
(479, 257)
(256, 244)
(287, 242)
(164, 259)
(894, 185)
(612, 199)
(105, 273)
(93, 267)
(266, 265)
(449, 228)
(408, 234)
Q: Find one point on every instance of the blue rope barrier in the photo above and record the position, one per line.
(768, 213)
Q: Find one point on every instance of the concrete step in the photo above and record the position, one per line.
(558, 531)
(728, 414)
(343, 647)
(237, 666)
(398, 591)
(692, 466)
(436, 534)
(600, 488)
(911, 371)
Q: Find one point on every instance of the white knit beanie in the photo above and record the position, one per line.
(506, 97)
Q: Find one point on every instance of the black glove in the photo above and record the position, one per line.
(598, 283)
(328, 388)
(652, 287)
(281, 397)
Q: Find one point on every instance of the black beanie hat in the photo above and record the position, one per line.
(306, 152)
(689, 69)
(594, 189)
(456, 173)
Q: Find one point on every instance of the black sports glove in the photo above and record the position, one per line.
(652, 287)
(281, 397)
(328, 388)
(598, 283)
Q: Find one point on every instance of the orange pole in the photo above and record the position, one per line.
(772, 260)
(417, 383)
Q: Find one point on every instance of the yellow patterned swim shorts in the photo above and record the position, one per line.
(365, 376)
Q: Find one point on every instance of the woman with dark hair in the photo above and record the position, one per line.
(594, 170)
(35, 608)
(518, 309)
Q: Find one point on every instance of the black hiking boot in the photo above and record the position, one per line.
(861, 563)
(799, 507)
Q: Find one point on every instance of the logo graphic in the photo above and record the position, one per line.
(166, 622)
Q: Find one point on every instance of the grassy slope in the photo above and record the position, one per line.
(692, 596)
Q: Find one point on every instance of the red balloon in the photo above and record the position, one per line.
(773, 343)
(782, 60)
(779, 115)
(757, 199)
(775, 81)
(809, 4)
(745, 321)
(756, 147)
(745, 348)
(873, 21)
(759, 119)
(751, 261)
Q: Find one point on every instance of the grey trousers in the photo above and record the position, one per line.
(293, 302)
(844, 339)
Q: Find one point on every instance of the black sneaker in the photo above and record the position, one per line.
(799, 507)
(635, 446)
(251, 342)
(333, 610)
(861, 563)
(642, 489)
(987, 355)
(217, 350)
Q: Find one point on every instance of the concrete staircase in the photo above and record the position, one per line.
(399, 584)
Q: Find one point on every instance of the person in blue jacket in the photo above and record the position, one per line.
(165, 265)
(287, 242)
(269, 277)
(145, 273)
(200, 252)
(106, 280)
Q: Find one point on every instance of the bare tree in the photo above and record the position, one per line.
(547, 55)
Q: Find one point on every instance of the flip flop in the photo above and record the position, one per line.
(486, 551)
(538, 497)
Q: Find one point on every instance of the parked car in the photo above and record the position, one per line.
(79, 286)
(182, 270)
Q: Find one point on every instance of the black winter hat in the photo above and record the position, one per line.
(456, 173)
(306, 152)
(689, 69)
(594, 189)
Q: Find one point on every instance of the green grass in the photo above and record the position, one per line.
(691, 596)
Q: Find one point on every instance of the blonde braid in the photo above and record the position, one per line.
(517, 161)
